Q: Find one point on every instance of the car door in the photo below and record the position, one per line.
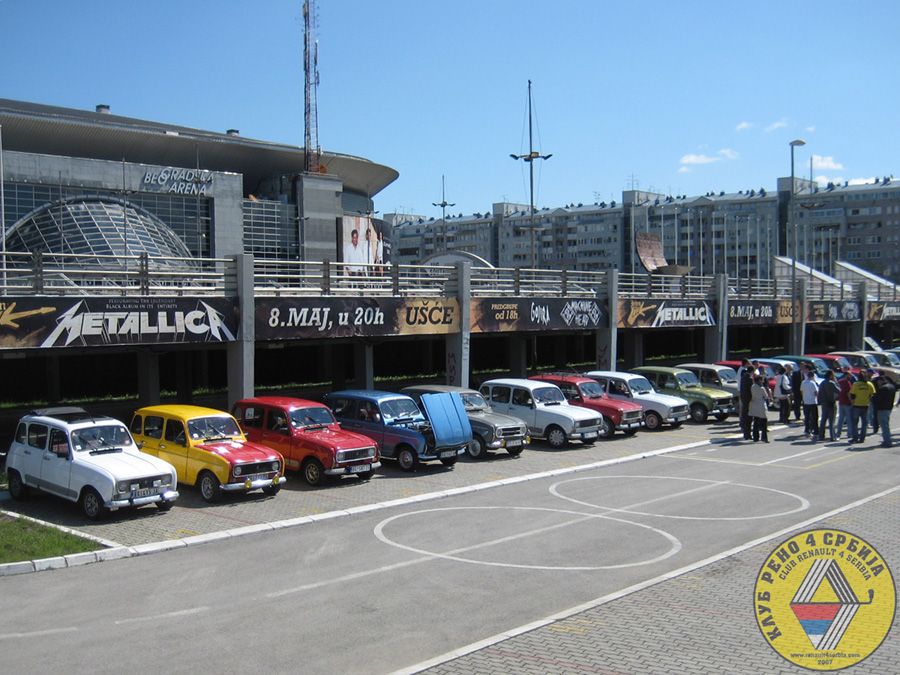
(173, 447)
(521, 405)
(616, 388)
(56, 465)
(276, 431)
(34, 444)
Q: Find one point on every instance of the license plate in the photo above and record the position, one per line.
(591, 434)
(256, 476)
(447, 453)
(359, 468)
(513, 444)
(144, 492)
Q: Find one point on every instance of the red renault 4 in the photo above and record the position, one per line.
(585, 392)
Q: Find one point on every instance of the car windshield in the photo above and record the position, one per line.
(640, 385)
(767, 370)
(687, 379)
(728, 376)
(591, 390)
(101, 437)
(473, 401)
(840, 363)
(548, 395)
(886, 359)
(399, 408)
(819, 366)
(219, 426)
(306, 417)
(869, 360)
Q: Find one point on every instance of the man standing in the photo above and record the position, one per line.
(860, 394)
(884, 401)
(783, 394)
(809, 391)
(746, 386)
(828, 396)
(797, 380)
(845, 406)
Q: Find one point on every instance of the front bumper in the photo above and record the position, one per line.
(349, 470)
(248, 485)
(167, 496)
(680, 417)
(625, 426)
(444, 453)
(510, 442)
(591, 434)
(723, 410)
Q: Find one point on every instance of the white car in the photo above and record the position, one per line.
(658, 408)
(90, 460)
(544, 409)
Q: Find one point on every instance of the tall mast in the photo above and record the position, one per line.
(311, 84)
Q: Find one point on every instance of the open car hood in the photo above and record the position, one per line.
(449, 421)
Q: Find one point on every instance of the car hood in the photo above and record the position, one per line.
(449, 421)
(605, 403)
(662, 399)
(712, 392)
(577, 413)
(124, 465)
(332, 438)
(495, 419)
(240, 451)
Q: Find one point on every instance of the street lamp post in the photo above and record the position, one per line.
(797, 348)
(530, 157)
(443, 204)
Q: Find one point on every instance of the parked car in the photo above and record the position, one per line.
(625, 416)
(208, 449)
(888, 364)
(544, 409)
(866, 360)
(769, 372)
(703, 401)
(713, 375)
(490, 430)
(440, 430)
(818, 366)
(658, 408)
(835, 363)
(88, 459)
(308, 437)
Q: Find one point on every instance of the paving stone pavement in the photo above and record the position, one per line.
(700, 622)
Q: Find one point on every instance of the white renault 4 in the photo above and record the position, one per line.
(90, 460)
(544, 409)
(658, 408)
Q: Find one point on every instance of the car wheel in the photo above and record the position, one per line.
(271, 490)
(92, 504)
(556, 437)
(449, 461)
(312, 471)
(407, 458)
(476, 448)
(722, 417)
(515, 452)
(17, 488)
(210, 487)
(164, 506)
(652, 420)
(365, 475)
(607, 428)
(699, 413)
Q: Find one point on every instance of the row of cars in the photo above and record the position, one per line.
(104, 465)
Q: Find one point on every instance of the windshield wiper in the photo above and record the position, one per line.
(106, 449)
(315, 426)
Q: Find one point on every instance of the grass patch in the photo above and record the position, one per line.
(22, 539)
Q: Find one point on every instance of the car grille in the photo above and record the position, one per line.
(509, 432)
(584, 424)
(633, 416)
(256, 468)
(358, 453)
(143, 483)
(679, 409)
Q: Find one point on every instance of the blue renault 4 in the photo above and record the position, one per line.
(404, 432)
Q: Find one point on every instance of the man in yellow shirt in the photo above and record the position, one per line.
(860, 394)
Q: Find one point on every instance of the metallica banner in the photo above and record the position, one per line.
(884, 310)
(743, 312)
(306, 318)
(491, 315)
(825, 311)
(665, 314)
(27, 322)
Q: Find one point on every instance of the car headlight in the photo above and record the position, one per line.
(123, 486)
(276, 466)
(238, 471)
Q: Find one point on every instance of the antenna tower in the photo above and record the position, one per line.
(311, 150)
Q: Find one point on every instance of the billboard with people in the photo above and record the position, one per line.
(364, 241)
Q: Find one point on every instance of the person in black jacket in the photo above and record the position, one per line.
(746, 394)
(797, 378)
(883, 400)
(827, 399)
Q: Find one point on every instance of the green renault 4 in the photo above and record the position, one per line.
(704, 400)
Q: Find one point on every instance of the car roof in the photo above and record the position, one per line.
(709, 366)
(367, 394)
(570, 378)
(517, 382)
(658, 369)
(438, 388)
(282, 402)
(180, 410)
(621, 374)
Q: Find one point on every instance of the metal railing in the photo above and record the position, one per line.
(506, 281)
(759, 288)
(666, 286)
(94, 274)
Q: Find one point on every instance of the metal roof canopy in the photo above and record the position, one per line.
(52, 130)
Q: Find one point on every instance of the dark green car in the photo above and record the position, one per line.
(703, 400)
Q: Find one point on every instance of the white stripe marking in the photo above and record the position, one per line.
(37, 633)
(167, 615)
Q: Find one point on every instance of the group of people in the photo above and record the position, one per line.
(856, 400)
(755, 398)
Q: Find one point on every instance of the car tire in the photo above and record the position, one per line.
(313, 472)
(407, 458)
(164, 506)
(515, 452)
(449, 461)
(556, 437)
(365, 475)
(699, 413)
(607, 428)
(17, 488)
(271, 490)
(210, 487)
(477, 448)
(652, 420)
(92, 504)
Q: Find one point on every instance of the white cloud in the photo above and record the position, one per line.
(840, 180)
(861, 181)
(743, 126)
(728, 153)
(826, 163)
(684, 169)
(699, 159)
(811, 129)
(780, 124)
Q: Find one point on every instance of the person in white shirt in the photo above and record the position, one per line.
(810, 392)
(354, 255)
(783, 394)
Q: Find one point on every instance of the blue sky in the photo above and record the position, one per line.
(679, 97)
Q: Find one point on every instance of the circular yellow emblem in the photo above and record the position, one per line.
(824, 599)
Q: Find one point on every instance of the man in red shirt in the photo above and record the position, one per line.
(844, 402)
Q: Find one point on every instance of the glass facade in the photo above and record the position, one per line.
(271, 230)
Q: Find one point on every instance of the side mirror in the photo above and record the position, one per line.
(576, 397)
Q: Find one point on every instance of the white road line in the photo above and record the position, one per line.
(592, 604)
(167, 615)
(37, 633)
(799, 454)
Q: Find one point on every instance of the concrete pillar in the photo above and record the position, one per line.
(240, 353)
(798, 327)
(634, 348)
(715, 338)
(52, 379)
(364, 365)
(148, 377)
(858, 328)
(458, 345)
(606, 338)
(184, 377)
(560, 352)
(518, 355)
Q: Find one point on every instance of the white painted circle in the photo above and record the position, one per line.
(803, 503)
(674, 543)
